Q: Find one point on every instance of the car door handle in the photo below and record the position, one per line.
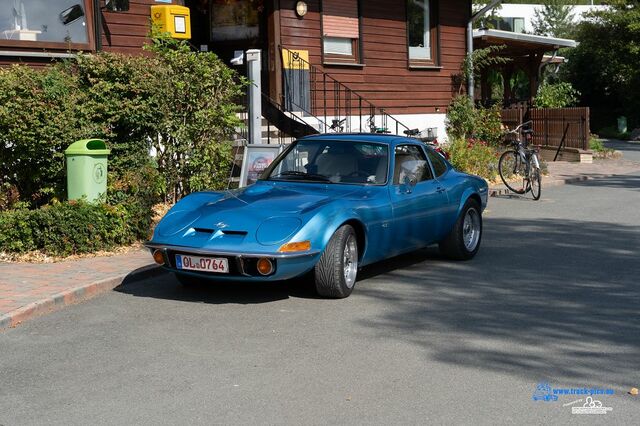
(440, 190)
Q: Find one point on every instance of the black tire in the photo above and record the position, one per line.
(329, 272)
(188, 281)
(510, 164)
(453, 246)
(535, 182)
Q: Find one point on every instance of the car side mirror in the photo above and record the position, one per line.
(72, 14)
(117, 5)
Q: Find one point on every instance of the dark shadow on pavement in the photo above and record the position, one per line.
(164, 285)
(544, 299)
(631, 181)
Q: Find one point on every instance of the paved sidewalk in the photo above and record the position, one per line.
(28, 290)
(563, 172)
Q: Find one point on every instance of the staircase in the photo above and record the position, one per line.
(318, 97)
(314, 102)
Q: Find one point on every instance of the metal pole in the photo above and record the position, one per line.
(255, 101)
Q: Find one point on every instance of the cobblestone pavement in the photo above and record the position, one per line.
(23, 283)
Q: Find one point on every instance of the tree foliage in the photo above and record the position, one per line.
(556, 95)
(554, 19)
(604, 67)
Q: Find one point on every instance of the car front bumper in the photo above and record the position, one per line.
(241, 264)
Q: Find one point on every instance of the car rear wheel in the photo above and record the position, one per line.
(464, 240)
(336, 271)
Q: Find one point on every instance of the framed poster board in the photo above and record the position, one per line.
(255, 161)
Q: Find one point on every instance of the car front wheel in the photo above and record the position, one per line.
(336, 271)
(464, 240)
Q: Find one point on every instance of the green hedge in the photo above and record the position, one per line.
(70, 228)
(74, 227)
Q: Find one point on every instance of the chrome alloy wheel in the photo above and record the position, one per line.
(350, 261)
(471, 229)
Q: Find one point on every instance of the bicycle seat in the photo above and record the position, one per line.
(527, 132)
(412, 132)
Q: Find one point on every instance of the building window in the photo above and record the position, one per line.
(340, 31)
(515, 25)
(63, 24)
(422, 32)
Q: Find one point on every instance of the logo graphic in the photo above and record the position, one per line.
(591, 406)
(544, 393)
(98, 173)
(221, 225)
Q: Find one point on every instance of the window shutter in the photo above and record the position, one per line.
(340, 18)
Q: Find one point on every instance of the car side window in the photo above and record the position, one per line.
(410, 164)
(439, 166)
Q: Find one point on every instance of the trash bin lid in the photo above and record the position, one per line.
(88, 147)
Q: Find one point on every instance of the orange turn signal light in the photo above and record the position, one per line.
(158, 256)
(295, 247)
(265, 266)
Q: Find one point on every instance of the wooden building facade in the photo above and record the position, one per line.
(400, 55)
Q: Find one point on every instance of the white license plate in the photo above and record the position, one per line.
(205, 264)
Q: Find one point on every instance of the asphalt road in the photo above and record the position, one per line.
(552, 296)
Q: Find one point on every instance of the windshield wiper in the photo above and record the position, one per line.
(303, 176)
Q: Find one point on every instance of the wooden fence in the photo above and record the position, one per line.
(553, 126)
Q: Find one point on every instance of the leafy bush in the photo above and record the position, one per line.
(596, 144)
(461, 117)
(611, 132)
(488, 126)
(465, 121)
(173, 100)
(475, 157)
(556, 95)
(39, 118)
(62, 229)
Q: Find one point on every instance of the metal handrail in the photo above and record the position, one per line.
(324, 96)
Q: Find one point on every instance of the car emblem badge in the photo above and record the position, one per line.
(221, 225)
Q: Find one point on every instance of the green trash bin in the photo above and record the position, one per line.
(622, 124)
(87, 169)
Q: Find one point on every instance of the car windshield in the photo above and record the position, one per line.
(332, 161)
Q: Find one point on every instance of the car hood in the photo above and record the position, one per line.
(267, 213)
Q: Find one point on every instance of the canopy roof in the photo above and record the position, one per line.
(519, 44)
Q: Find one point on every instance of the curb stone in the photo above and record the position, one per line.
(72, 296)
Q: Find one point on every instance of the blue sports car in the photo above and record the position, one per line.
(328, 205)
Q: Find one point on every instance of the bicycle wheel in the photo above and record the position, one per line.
(511, 171)
(535, 181)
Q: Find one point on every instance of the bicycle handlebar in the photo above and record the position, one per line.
(517, 129)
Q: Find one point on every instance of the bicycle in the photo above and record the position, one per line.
(337, 125)
(373, 128)
(521, 162)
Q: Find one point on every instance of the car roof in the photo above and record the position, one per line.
(363, 137)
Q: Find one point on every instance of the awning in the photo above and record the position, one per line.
(518, 44)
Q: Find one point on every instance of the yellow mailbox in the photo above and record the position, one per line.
(173, 19)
